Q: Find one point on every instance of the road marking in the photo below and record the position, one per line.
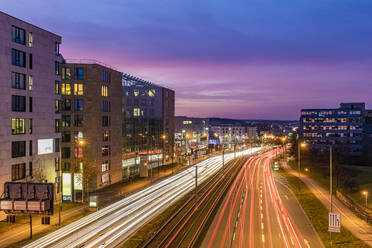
(263, 238)
(262, 225)
(261, 216)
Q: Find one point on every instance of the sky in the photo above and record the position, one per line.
(246, 59)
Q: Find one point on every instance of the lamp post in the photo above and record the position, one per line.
(164, 137)
(283, 140)
(365, 193)
(303, 144)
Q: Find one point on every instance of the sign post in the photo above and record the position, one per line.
(334, 222)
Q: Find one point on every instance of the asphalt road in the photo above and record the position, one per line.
(259, 210)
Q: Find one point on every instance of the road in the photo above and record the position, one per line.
(112, 225)
(260, 211)
(358, 227)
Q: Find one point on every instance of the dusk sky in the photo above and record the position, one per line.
(253, 59)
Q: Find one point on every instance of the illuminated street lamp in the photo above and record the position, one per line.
(163, 137)
(365, 193)
(300, 145)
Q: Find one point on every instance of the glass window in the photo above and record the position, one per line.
(151, 93)
(57, 125)
(30, 83)
(30, 126)
(66, 137)
(78, 120)
(78, 104)
(18, 171)
(18, 35)
(106, 135)
(18, 126)
(57, 87)
(18, 58)
(105, 165)
(30, 39)
(78, 89)
(105, 150)
(136, 112)
(66, 89)
(30, 61)
(57, 68)
(57, 107)
(105, 121)
(57, 48)
(18, 80)
(105, 76)
(66, 73)
(66, 105)
(18, 103)
(136, 92)
(18, 149)
(79, 73)
(66, 120)
(66, 152)
(104, 90)
(105, 106)
(30, 104)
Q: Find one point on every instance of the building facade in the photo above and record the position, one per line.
(148, 125)
(29, 71)
(343, 127)
(228, 134)
(91, 127)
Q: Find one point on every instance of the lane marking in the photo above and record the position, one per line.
(263, 238)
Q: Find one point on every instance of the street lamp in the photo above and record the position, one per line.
(365, 193)
(283, 140)
(164, 137)
(300, 145)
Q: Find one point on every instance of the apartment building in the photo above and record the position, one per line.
(233, 134)
(148, 126)
(29, 71)
(344, 127)
(91, 127)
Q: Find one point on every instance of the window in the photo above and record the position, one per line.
(57, 144)
(66, 120)
(18, 80)
(78, 120)
(105, 106)
(30, 126)
(30, 39)
(30, 61)
(105, 76)
(78, 104)
(105, 150)
(57, 125)
(66, 137)
(78, 136)
(18, 103)
(30, 169)
(78, 152)
(18, 171)
(78, 89)
(104, 90)
(66, 166)
(136, 112)
(66, 89)
(79, 73)
(30, 104)
(57, 70)
(18, 126)
(30, 83)
(151, 93)
(106, 135)
(57, 107)
(105, 165)
(57, 87)
(18, 35)
(56, 49)
(18, 58)
(66, 152)
(66, 73)
(105, 121)
(66, 105)
(136, 92)
(30, 148)
(18, 149)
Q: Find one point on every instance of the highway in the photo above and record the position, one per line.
(112, 225)
(260, 211)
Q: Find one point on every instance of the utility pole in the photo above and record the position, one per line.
(30, 226)
(330, 187)
(196, 179)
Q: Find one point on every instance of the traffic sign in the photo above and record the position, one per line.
(334, 222)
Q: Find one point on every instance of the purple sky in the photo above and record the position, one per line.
(239, 59)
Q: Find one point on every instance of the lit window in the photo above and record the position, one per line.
(78, 89)
(136, 92)
(30, 83)
(30, 39)
(104, 90)
(151, 92)
(105, 166)
(136, 112)
(66, 89)
(18, 126)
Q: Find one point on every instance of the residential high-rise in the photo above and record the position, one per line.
(91, 126)
(148, 126)
(29, 70)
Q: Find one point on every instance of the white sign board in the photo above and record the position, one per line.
(334, 222)
(44, 146)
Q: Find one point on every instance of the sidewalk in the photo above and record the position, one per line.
(358, 227)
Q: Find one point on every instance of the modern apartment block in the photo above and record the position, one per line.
(29, 70)
(231, 134)
(148, 126)
(344, 127)
(91, 127)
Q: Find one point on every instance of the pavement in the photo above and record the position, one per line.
(260, 210)
(358, 227)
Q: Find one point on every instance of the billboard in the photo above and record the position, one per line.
(66, 187)
(78, 181)
(28, 198)
(44, 146)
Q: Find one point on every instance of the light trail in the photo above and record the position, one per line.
(115, 223)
